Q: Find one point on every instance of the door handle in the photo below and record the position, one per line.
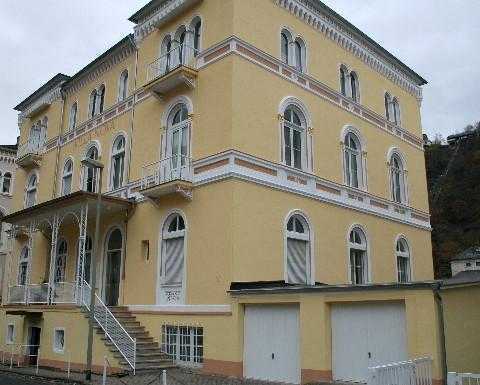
(273, 356)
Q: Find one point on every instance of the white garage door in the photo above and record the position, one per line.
(365, 335)
(271, 343)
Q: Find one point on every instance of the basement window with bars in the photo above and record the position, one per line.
(183, 343)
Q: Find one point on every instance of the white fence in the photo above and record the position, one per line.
(177, 167)
(181, 55)
(114, 331)
(463, 379)
(413, 372)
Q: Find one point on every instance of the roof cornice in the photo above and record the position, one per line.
(151, 16)
(347, 36)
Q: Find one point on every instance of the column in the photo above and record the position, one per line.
(53, 258)
(81, 254)
(31, 232)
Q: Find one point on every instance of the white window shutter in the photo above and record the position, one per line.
(174, 261)
(297, 261)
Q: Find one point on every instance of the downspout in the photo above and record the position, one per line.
(130, 147)
(441, 322)
(57, 158)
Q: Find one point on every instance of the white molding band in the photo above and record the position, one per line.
(235, 164)
(179, 309)
(360, 48)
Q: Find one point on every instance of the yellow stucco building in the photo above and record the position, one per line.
(264, 208)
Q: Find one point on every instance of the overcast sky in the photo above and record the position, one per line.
(437, 39)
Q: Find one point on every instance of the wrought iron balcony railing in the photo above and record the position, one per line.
(181, 55)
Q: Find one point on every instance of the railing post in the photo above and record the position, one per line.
(134, 355)
(38, 360)
(164, 377)
(104, 377)
(452, 378)
(69, 363)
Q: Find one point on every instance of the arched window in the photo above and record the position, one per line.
(123, 86)
(60, 261)
(72, 119)
(90, 182)
(178, 134)
(355, 95)
(353, 161)
(31, 191)
(92, 104)
(298, 250)
(173, 258)
(397, 176)
(67, 177)
(100, 99)
(36, 135)
(343, 80)
(285, 40)
(113, 267)
(396, 111)
(388, 102)
(358, 258)
(118, 162)
(403, 260)
(166, 54)
(300, 55)
(181, 47)
(197, 30)
(23, 267)
(6, 183)
(294, 135)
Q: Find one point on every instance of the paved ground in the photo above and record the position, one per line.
(18, 379)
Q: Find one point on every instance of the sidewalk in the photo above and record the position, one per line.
(177, 376)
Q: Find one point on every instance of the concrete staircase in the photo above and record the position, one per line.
(148, 353)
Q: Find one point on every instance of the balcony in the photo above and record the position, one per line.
(168, 176)
(29, 154)
(171, 71)
(41, 294)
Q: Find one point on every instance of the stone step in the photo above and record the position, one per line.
(150, 367)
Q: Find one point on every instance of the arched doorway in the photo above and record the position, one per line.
(113, 264)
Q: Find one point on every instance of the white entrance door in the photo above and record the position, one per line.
(365, 335)
(271, 343)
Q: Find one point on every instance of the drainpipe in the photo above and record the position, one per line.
(133, 110)
(441, 321)
(57, 158)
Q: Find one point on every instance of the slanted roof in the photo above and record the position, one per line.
(125, 41)
(9, 148)
(464, 278)
(468, 254)
(50, 85)
(145, 10)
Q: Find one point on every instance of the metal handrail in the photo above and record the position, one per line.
(111, 326)
(178, 167)
(30, 147)
(181, 55)
(417, 371)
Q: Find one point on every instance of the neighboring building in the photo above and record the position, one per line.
(264, 203)
(467, 260)
(8, 153)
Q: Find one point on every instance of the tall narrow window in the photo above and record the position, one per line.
(72, 119)
(100, 99)
(23, 267)
(90, 182)
(388, 102)
(6, 183)
(397, 175)
(60, 261)
(343, 80)
(354, 86)
(35, 138)
(92, 104)
(67, 177)
(298, 250)
(294, 133)
(166, 50)
(403, 261)
(396, 111)
(181, 48)
(197, 36)
(300, 55)
(178, 133)
(285, 40)
(357, 243)
(31, 191)
(123, 86)
(113, 267)
(118, 163)
(353, 161)
(173, 259)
